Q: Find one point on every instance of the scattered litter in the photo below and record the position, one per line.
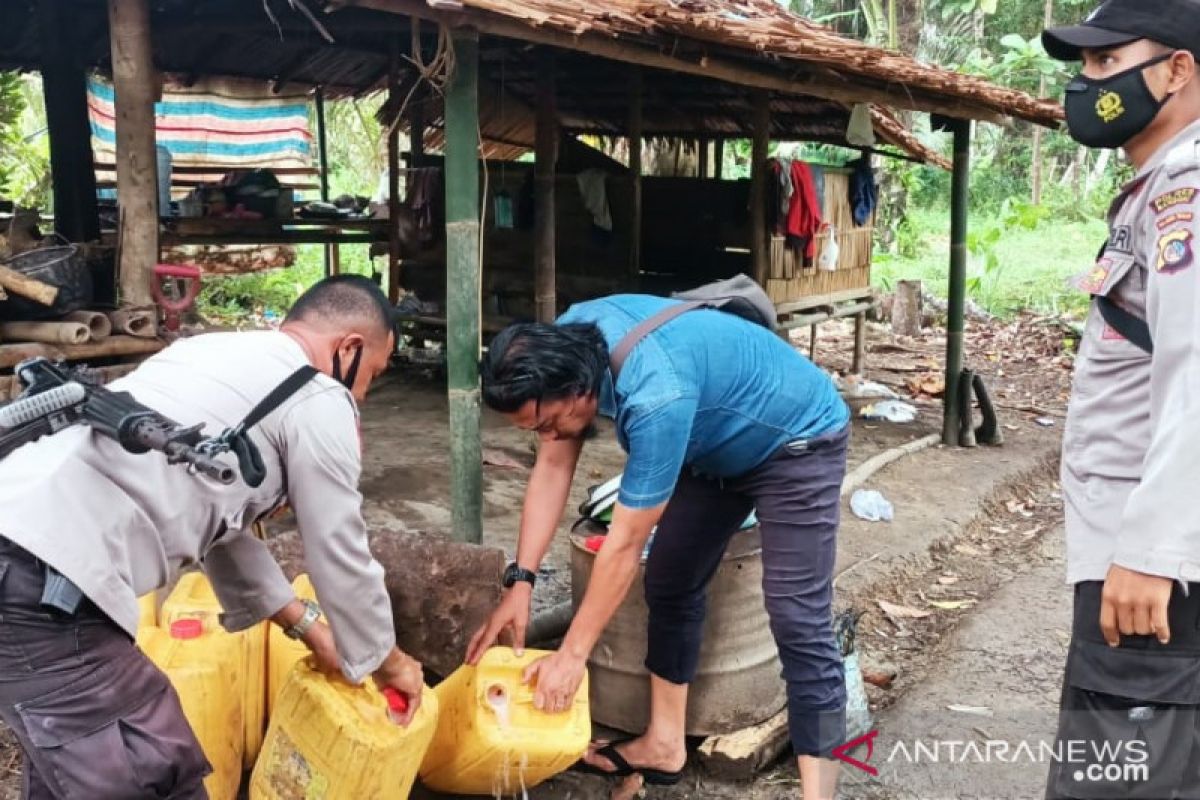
(947, 580)
(895, 611)
(967, 550)
(979, 711)
(870, 505)
(1045, 422)
(497, 458)
(951, 605)
(882, 678)
(930, 384)
(852, 386)
(890, 410)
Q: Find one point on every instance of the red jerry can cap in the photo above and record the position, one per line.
(187, 629)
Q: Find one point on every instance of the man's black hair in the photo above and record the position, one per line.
(535, 361)
(345, 297)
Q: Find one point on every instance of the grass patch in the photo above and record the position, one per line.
(1031, 270)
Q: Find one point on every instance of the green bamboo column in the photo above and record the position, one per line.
(463, 288)
(957, 294)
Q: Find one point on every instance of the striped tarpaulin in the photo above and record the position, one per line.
(217, 123)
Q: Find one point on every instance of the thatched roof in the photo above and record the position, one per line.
(700, 60)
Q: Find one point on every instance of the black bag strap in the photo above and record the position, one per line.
(250, 462)
(1131, 326)
(278, 396)
(643, 329)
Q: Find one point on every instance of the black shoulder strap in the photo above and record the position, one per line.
(1131, 326)
(278, 396)
(642, 330)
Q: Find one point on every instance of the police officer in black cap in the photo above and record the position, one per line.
(1129, 724)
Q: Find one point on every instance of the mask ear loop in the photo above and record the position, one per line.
(351, 374)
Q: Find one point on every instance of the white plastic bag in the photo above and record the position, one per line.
(870, 505)
(828, 258)
(860, 132)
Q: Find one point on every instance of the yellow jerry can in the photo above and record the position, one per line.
(193, 597)
(491, 740)
(332, 740)
(205, 669)
(284, 653)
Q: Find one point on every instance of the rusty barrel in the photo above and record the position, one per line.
(738, 682)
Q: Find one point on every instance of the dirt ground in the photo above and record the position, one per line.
(968, 521)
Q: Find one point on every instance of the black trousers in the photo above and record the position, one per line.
(796, 494)
(95, 718)
(1129, 719)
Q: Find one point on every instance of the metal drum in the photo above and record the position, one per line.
(738, 683)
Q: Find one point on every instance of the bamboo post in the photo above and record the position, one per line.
(463, 288)
(956, 298)
(544, 168)
(136, 84)
(64, 87)
(759, 241)
(860, 342)
(702, 160)
(635, 171)
(719, 158)
(331, 248)
(393, 159)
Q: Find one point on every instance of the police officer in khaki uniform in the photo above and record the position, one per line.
(1128, 725)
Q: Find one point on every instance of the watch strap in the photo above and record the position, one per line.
(312, 613)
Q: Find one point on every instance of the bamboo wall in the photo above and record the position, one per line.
(788, 281)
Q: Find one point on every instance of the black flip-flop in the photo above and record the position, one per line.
(652, 777)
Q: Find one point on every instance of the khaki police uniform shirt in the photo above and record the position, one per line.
(1131, 450)
(119, 525)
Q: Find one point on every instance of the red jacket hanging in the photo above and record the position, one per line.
(804, 214)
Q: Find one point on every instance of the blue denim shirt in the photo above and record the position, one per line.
(708, 389)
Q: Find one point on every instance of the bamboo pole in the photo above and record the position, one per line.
(636, 97)
(14, 353)
(463, 277)
(136, 84)
(331, 253)
(393, 155)
(19, 283)
(48, 332)
(719, 158)
(544, 169)
(759, 248)
(956, 297)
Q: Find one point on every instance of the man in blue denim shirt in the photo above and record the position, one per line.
(719, 416)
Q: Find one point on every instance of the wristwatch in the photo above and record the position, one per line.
(514, 573)
(312, 613)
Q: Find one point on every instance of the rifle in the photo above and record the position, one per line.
(56, 397)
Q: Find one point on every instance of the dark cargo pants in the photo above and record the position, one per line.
(796, 493)
(95, 718)
(1129, 719)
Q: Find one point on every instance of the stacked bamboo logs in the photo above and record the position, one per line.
(77, 335)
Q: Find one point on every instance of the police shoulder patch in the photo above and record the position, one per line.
(1174, 251)
(1182, 196)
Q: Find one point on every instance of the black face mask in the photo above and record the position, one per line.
(1108, 113)
(346, 380)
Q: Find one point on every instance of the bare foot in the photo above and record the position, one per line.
(640, 752)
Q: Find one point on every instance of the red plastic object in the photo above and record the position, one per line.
(593, 543)
(187, 629)
(397, 702)
(173, 308)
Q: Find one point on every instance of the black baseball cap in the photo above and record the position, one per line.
(1174, 23)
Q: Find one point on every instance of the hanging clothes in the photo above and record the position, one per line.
(804, 213)
(423, 186)
(863, 192)
(778, 195)
(818, 176)
(593, 188)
